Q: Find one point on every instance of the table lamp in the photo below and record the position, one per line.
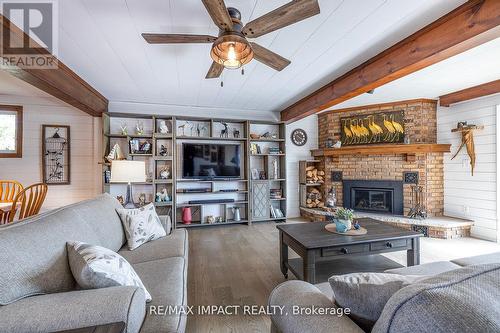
(128, 172)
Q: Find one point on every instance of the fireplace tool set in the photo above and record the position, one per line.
(418, 209)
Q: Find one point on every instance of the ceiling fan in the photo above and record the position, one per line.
(231, 49)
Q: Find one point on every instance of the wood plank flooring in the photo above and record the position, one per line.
(239, 265)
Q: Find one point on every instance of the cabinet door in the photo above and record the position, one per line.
(260, 200)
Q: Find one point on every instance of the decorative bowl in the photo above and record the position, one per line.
(254, 136)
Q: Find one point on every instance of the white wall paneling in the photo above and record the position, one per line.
(85, 149)
(295, 154)
(466, 196)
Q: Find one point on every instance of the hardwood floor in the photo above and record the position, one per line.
(239, 265)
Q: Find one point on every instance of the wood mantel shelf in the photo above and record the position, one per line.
(388, 149)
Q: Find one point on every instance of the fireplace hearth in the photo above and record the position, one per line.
(378, 196)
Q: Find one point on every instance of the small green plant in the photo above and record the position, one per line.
(344, 214)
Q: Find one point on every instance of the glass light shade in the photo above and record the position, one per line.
(128, 171)
(231, 51)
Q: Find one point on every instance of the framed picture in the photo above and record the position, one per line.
(262, 175)
(56, 154)
(375, 128)
(255, 174)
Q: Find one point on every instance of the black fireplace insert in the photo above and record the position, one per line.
(378, 196)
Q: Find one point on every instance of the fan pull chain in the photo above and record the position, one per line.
(242, 70)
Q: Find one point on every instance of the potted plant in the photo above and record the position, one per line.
(343, 219)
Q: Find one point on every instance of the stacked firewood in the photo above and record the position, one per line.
(314, 175)
(314, 199)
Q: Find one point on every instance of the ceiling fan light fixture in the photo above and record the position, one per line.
(231, 51)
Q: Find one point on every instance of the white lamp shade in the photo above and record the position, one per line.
(128, 171)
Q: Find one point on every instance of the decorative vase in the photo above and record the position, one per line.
(331, 200)
(236, 214)
(186, 215)
(343, 225)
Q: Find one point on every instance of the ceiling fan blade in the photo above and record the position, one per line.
(215, 71)
(292, 12)
(177, 38)
(219, 14)
(269, 58)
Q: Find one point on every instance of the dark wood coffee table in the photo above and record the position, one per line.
(318, 247)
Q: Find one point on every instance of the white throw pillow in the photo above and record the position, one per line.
(141, 225)
(95, 267)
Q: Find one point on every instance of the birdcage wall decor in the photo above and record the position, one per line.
(56, 154)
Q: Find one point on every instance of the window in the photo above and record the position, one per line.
(11, 131)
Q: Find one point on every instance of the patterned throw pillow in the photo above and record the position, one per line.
(95, 267)
(141, 225)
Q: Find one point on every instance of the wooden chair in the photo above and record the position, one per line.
(28, 202)
(9, 189)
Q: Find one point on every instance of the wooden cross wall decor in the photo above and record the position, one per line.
(468, 141)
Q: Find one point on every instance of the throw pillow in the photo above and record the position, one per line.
(96, 267)
(466, 299)
(141, 225)
(366, 294)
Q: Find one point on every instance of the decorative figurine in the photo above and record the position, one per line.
(142, 199)
(198, 129)
(210, 219)
(165, 172)
(236, 133)
(123, 127)
(337, 144)
(356, 225)
(115, 154)
(203, 130)
(163, 127)
(162, 196)
(139, 128)
(183, 128)
(219, 219)
(225, 132)
(163, 151)
(120, 199)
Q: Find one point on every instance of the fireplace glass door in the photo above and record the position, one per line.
(373, 200)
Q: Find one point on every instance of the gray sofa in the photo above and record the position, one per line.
(38, 292)
(459, 291)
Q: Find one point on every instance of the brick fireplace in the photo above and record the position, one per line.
(425, 168)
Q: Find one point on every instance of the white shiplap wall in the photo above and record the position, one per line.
(85, 149)
(293, 155)
(467, 196)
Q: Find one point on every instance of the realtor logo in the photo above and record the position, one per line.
(29, 37)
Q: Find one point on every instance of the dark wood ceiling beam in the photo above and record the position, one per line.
(60, 82)
(481, 90)
(472, 24)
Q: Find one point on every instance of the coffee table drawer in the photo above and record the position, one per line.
(389, 244)
(342, 250)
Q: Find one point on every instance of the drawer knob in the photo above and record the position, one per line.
(388, 244)
(343, 250)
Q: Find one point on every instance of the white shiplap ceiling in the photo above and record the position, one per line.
(101, 41)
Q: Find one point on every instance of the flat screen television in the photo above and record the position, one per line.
(209, 161)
